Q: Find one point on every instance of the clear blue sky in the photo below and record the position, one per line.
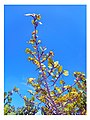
(63, 31)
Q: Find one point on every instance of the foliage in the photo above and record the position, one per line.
(54, 95)
(29, 107)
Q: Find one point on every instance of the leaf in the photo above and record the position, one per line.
(56, 64)
(50, 60)
(60, 69)
(33, 98)
(65, 72)
(36, 62)
(52, 92)
(9, 99)
(27, 50)
(38, 17)
(35, 47)
(28, 14)
(42, 98)
(30, 91)
(62, 82)
(32, 41)
(67, 87)
(33, 22)
(35, 32)
(25, 98)
(5, 94)
(16, 89)
(30, 58)
(43, 59)
(30, 80)
(58, 89)
(51, 53)
(40, 23)
(39, 41)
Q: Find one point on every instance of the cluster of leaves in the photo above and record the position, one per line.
(54, 95)
(29, 107)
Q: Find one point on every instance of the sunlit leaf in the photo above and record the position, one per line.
(50, 61)
(30, 58)
(62, 82)
(51, 53)
(65, 72)
(67, 87)
(60, 69)
(27, 50)
(39, 41)
(38, 16)
(40, 23)
(30, 80)
(33, 22)
(56, 64)
(25, 98)
(58, 89)
(35, 47)
(33, 98)
(30, 91)
(35, 32)
(49, 65)
(36, 62)
(32, 41)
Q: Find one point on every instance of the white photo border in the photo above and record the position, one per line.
(41, 2)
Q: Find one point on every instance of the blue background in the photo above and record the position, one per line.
(63, 31)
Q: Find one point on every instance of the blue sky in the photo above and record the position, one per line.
(63, 31)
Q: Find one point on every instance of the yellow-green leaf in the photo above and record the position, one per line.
(49, 65)
(30, 80)
(50, 60)
(27, 50)
(33, 22)
(61, 81)
(33, 98)
(60, 69)
(30, 58)
(66, 73)
(56, 64)
(58, 89)
(39, 41)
